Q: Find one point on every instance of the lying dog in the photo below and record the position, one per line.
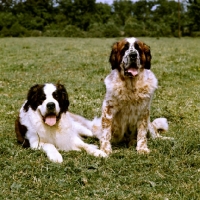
(129, 91)
(45, 123)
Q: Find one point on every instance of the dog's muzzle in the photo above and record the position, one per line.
(133, 56)
(131, 63)
(50, 118)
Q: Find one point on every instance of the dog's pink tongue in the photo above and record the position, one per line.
(133, 71)
(50, 120)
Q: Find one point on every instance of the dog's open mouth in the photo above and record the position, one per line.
(50, 119)
(132, 71)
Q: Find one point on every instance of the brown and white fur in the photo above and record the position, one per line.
(45, 123)
(129, 91)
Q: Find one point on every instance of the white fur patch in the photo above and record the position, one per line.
(131, 40)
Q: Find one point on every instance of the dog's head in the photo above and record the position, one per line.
(129, 56)
(49, 100)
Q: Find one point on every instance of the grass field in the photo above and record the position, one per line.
(170, 171)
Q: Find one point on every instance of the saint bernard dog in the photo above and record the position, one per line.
(129, 91)
(45, 123)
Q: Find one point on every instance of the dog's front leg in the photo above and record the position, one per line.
(106, 123)
(142, 128)
(49, 149)
(52, 152)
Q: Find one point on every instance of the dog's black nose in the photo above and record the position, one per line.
(133, 55)
(50, 105)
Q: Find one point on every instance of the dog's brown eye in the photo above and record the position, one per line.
(137, 46)
(41, 98)
(55, 95)
(126, 46)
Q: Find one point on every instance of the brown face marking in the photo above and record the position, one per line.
(118, 50)
(145, 54)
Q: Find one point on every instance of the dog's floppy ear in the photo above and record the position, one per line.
(63, 97)
(148, 56)
(113, 57)
(32, 97)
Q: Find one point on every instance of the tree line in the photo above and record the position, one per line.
(87, 18)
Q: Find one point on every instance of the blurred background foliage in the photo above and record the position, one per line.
(87, 18)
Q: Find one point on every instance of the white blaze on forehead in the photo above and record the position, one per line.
(49, 89)
(131, 40)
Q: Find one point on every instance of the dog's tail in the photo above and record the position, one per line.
(161, 124)
(157, 126)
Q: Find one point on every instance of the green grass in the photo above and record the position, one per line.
(170, 171)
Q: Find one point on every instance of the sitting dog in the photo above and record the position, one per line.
(129, 91)
(45, 123)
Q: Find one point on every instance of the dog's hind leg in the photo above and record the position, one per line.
(81, 120)
(90, 149)
(82, 130)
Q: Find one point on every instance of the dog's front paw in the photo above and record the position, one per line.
(55, 157)
(106, 149)
(100, 153)
(89, 133)
(143, 150)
